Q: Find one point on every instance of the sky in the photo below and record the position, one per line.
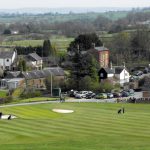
(13, 4)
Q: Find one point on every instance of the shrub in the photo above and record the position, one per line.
(8, 99)
(30, 94)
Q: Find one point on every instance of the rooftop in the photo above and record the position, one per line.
(6, 54)
(35, 56)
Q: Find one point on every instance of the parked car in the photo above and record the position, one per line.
(125, 94)
(138, 73)
(81, 94)
(117, 95)
(146, 70)
(90, 95)
(133, 78)
(131, 92)
(110, 95)
(101, 96)
(72, 93)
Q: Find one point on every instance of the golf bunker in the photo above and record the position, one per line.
(5, 117)
(63, 111)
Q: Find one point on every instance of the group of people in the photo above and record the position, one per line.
(130, 100)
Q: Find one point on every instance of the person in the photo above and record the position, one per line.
(1, 115)
(123, 110)
(9, 117)
(61, 98)
(119, 111)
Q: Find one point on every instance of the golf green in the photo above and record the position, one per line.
(92, 126)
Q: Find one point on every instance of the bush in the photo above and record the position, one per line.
(30, 94)
(8, 99)
(7, 31)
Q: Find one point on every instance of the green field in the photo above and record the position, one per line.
(61, 43)
(93, 126)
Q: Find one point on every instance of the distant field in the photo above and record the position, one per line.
(93, 126)
(59, 43)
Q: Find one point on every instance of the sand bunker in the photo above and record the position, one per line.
(62, 111)
(6, 117)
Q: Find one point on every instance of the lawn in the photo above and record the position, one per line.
(3, 93)
(93, 126)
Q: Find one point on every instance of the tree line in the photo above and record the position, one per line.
(75, 25)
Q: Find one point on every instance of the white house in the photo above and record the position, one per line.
(110, 72)
(122, 74)
(35, 61)
(7, 58)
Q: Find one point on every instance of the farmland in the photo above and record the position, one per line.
(61, 43)
(92, 126)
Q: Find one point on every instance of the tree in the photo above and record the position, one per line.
(47, 48)
(83, 65)
(140, 43)
(92, 66)
(22, 65)
(86, 83)
(7, 31)
(102, 23)
(85, 42)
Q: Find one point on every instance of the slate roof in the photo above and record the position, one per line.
(56, 71)
(110, 71)
(34, 56)
(118, 70)
(12, 74)
(6, 54)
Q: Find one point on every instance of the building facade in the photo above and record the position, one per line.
(102, 56)
(7, 58)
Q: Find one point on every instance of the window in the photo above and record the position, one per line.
(101, 75)
(7, 60)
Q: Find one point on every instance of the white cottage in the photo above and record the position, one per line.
(122, 74)
(7, 58)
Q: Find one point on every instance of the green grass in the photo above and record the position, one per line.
(93, 126)
(3, 93)
(61, 43)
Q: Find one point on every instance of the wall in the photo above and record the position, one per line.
(104, 58)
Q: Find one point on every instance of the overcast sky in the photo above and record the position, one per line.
(13, 4)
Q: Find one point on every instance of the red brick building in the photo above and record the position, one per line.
(102, 55)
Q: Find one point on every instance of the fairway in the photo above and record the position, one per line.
(92, 126)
